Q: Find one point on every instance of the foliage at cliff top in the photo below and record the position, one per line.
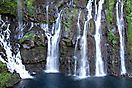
(8, 7)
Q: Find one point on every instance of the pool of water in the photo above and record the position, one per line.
(58, 80)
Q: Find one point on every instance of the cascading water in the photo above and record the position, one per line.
(83, 64)
(53, 36)
(76, 45)
(83, 68)
(99, 61)
(12, 60)
(120, 25)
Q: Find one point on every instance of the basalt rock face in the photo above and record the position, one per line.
(33, 45)
(34, 48)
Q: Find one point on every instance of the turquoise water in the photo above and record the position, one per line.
(58, 80)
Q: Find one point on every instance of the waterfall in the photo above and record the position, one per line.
(13, 61)
(120, 25)
(53, 36)
(20, 27)
(84, 41)
(99, 61)
(76, 44)
(83, 68)
(83, 63)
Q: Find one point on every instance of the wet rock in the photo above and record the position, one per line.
(124, 75)
(67, 42)
(65, 35)
(35, 37)
(80, 3)
(33, 55)
(34, 44)
(35, 68)
(28, 44)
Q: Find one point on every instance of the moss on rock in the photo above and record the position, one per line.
(5, 76)
(8, 6)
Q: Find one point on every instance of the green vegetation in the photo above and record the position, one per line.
(69, 17)
(8, 6)
(27, 36)
(71, 14)
(128, 8)
(29, 4)
(112, 37)
(109, 12)
(4, 75)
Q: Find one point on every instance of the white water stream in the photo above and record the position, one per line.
(99, 62)
(53, 36)
(13, 61)
(83, 67)
(120, 25)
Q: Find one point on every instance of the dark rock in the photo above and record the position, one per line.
(35, 68)
(14, 80)
(34, 47)
(67, 42)
(124, 75)
(27, 44)
(34, 55)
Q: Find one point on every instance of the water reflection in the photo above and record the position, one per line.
(59, 80)
(123, 83)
